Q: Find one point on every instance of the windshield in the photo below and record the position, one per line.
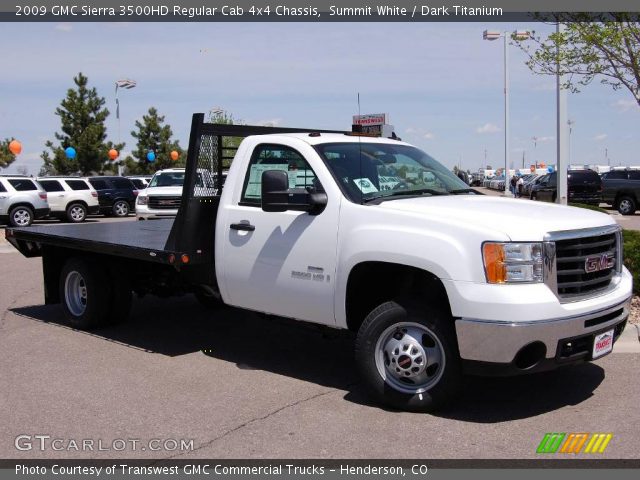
(167, 179)
(368, 171)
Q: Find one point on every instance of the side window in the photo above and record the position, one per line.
(2, 189)
(552, 179)
(99, 184)
(634, 175)
(23, 185)
(123, 183)
(616, 175)
(275, 157)
(77, 184)
(51, 186)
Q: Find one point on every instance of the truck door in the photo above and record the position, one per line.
(281, 263)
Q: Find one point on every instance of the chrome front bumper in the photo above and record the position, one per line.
(499, 341)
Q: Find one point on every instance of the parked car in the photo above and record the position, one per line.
(161, 199)
(116, 195)
(141, 182)
(585, 186)
(70, 198)
(21, 200)
(621, 189)
(528, 184)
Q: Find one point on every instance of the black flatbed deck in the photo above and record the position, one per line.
(133, 239)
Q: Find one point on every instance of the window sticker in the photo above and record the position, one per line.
(365, 185)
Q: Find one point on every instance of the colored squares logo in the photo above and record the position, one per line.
(574, 443)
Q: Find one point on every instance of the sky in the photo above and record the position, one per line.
(440, 84)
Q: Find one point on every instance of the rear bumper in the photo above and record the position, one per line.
(504, 348)
(41, 213)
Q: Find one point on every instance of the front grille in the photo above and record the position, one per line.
(164, 202)
(572, 257)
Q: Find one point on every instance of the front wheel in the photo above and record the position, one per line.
(408, 357)
(121, 208)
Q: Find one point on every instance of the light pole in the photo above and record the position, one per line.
(570, 123)
(517, 35)
(127, 84)
(535, 150)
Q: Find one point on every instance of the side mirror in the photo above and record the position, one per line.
(278, 197)
(275, 191)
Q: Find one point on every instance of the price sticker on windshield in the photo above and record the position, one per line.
(365, 185)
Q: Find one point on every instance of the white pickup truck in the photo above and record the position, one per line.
(365, 234)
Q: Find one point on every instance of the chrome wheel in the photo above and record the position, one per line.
(409, 357)
(21, 217)
(75, 293)
(625, 207)
(121, 209)
(76, 212)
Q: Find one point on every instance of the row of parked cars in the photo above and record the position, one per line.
(24, 199)
(619, 188)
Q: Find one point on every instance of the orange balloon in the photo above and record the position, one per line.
(174, 155)
(15, 147)
(113, 154)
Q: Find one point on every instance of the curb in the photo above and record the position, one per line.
(629, 341)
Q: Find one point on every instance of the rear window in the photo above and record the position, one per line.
(51, 186)
(23, 185)
(77, 184)
(98, 183)
(123, 183)
(584, 176)
(615, 175)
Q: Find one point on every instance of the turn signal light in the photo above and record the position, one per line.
(185, 258)
(494, 266)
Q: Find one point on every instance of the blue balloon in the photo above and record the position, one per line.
(70, 152)
(550, 169)
(151, 156)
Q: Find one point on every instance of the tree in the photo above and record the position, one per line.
(82, 118)
(6, 157)
(153, 136)
(606, 47)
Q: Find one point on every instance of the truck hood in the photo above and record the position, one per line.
(520, 220)
(161, 191)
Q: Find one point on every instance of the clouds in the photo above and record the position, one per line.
(488, 128)
(600, 137)
(64, 27)
(625, 105)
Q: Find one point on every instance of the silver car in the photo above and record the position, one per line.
(22, 200)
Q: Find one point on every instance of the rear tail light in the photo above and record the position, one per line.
(94, 194)
(136, 192)
(42, 195)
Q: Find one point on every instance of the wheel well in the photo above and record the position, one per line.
(81, 202)
(373, 283)
(21, 204)
(624, 193)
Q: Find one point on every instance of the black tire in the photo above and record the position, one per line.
(534, 196)
(441, 383)
(207, 301)
(76, 213)
(20, 216)
(626, 205)
(92, 310)
(120, 208)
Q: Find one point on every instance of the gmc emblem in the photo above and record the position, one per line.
(600, 262)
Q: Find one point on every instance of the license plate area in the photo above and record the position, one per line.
(602, 344)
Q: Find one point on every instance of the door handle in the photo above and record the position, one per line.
(247, 227)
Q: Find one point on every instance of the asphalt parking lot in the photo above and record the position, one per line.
(243, 386)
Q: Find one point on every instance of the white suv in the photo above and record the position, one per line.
(70, 198)
(21, 200)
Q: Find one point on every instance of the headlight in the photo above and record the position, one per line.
(512, 262)
(142, 200)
